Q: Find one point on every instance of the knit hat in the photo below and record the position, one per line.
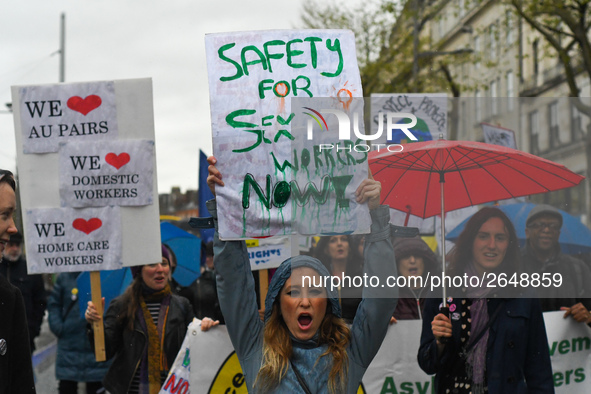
(543, 209)
(136, 270)
(404, 247)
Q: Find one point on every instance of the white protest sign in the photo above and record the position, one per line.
(73, 240)
(253, 77)
(497, 135)
(51, 114)
(126, 113)
(430, 110)
(395, 368)
(106, 173)
(268, 253)
(569, 343)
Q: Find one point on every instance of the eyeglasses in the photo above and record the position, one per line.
(543, 225)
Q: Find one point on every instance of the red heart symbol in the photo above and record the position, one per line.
(87, 227)
(84, 106)
(117, 161)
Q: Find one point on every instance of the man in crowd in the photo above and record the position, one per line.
(14, 268)
(542, 255)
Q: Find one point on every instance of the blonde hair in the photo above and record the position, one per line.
(277, 351)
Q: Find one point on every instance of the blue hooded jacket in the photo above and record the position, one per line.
(237, 296)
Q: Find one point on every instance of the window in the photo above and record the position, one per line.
(477, 51)
(534, 129)
(553, 122)
(510, 91)
(535, 57)
(510, 36)
(576, 127)
(494, 110)
(478, 105)
(492, 39)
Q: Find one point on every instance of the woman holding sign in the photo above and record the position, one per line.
(489, 343)
(304, 345)
(144, 330)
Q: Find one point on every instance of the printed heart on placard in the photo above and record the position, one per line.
(117, 161)
(84, 106)
(87, 227)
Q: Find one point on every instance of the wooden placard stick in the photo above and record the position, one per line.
(263, 287)
(98, 328)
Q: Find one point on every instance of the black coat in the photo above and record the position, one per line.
(16, 370)
(33, 291)
(128, 346)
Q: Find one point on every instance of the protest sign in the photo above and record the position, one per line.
(50, 114)
(115, 173)
(395, 369)
(253, 77)
(73, 240)
(91, 116)
(430, 110)
(268, 253)
(497, 135)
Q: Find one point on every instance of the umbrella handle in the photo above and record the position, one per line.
(445, 311)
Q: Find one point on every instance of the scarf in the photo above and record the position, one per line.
(154, 359)
(476, 359)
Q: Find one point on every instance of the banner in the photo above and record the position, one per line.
(253, 77)
(395, 369)
(106, 173)
(268, 253)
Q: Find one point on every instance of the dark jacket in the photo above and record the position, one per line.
(576, 280)
(202, 294)
(517, 356)
(16, 370)
(75, 358)
(33, 291)
(128, 346)
(412, 302)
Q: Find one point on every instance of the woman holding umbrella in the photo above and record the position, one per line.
(489, 343)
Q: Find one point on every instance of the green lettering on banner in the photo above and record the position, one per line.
(269, 55)
(336, 47)
(239, 72)
(230, 118)
(313, 52)
(260, 60)
(291, 53)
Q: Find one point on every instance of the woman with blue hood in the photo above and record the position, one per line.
(304, 345)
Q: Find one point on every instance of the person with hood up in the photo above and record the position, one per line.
(415, 260)
(304, 345)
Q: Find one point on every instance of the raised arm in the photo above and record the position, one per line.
(235, 284)
(373, 315)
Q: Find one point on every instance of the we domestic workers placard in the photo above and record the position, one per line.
(277, 180)
(87, 175)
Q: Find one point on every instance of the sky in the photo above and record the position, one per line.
(126, 39)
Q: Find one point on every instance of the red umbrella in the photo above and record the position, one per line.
(433, 177)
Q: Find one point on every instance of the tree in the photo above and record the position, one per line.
(565, 27)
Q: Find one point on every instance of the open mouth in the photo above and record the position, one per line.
(413, 270)
(304, 321)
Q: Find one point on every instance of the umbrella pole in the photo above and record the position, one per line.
(442, 182)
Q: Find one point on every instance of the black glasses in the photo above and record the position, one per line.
(543, 225)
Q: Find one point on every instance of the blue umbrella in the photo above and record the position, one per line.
(187, 250)
(113, 283)
(575, 237)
